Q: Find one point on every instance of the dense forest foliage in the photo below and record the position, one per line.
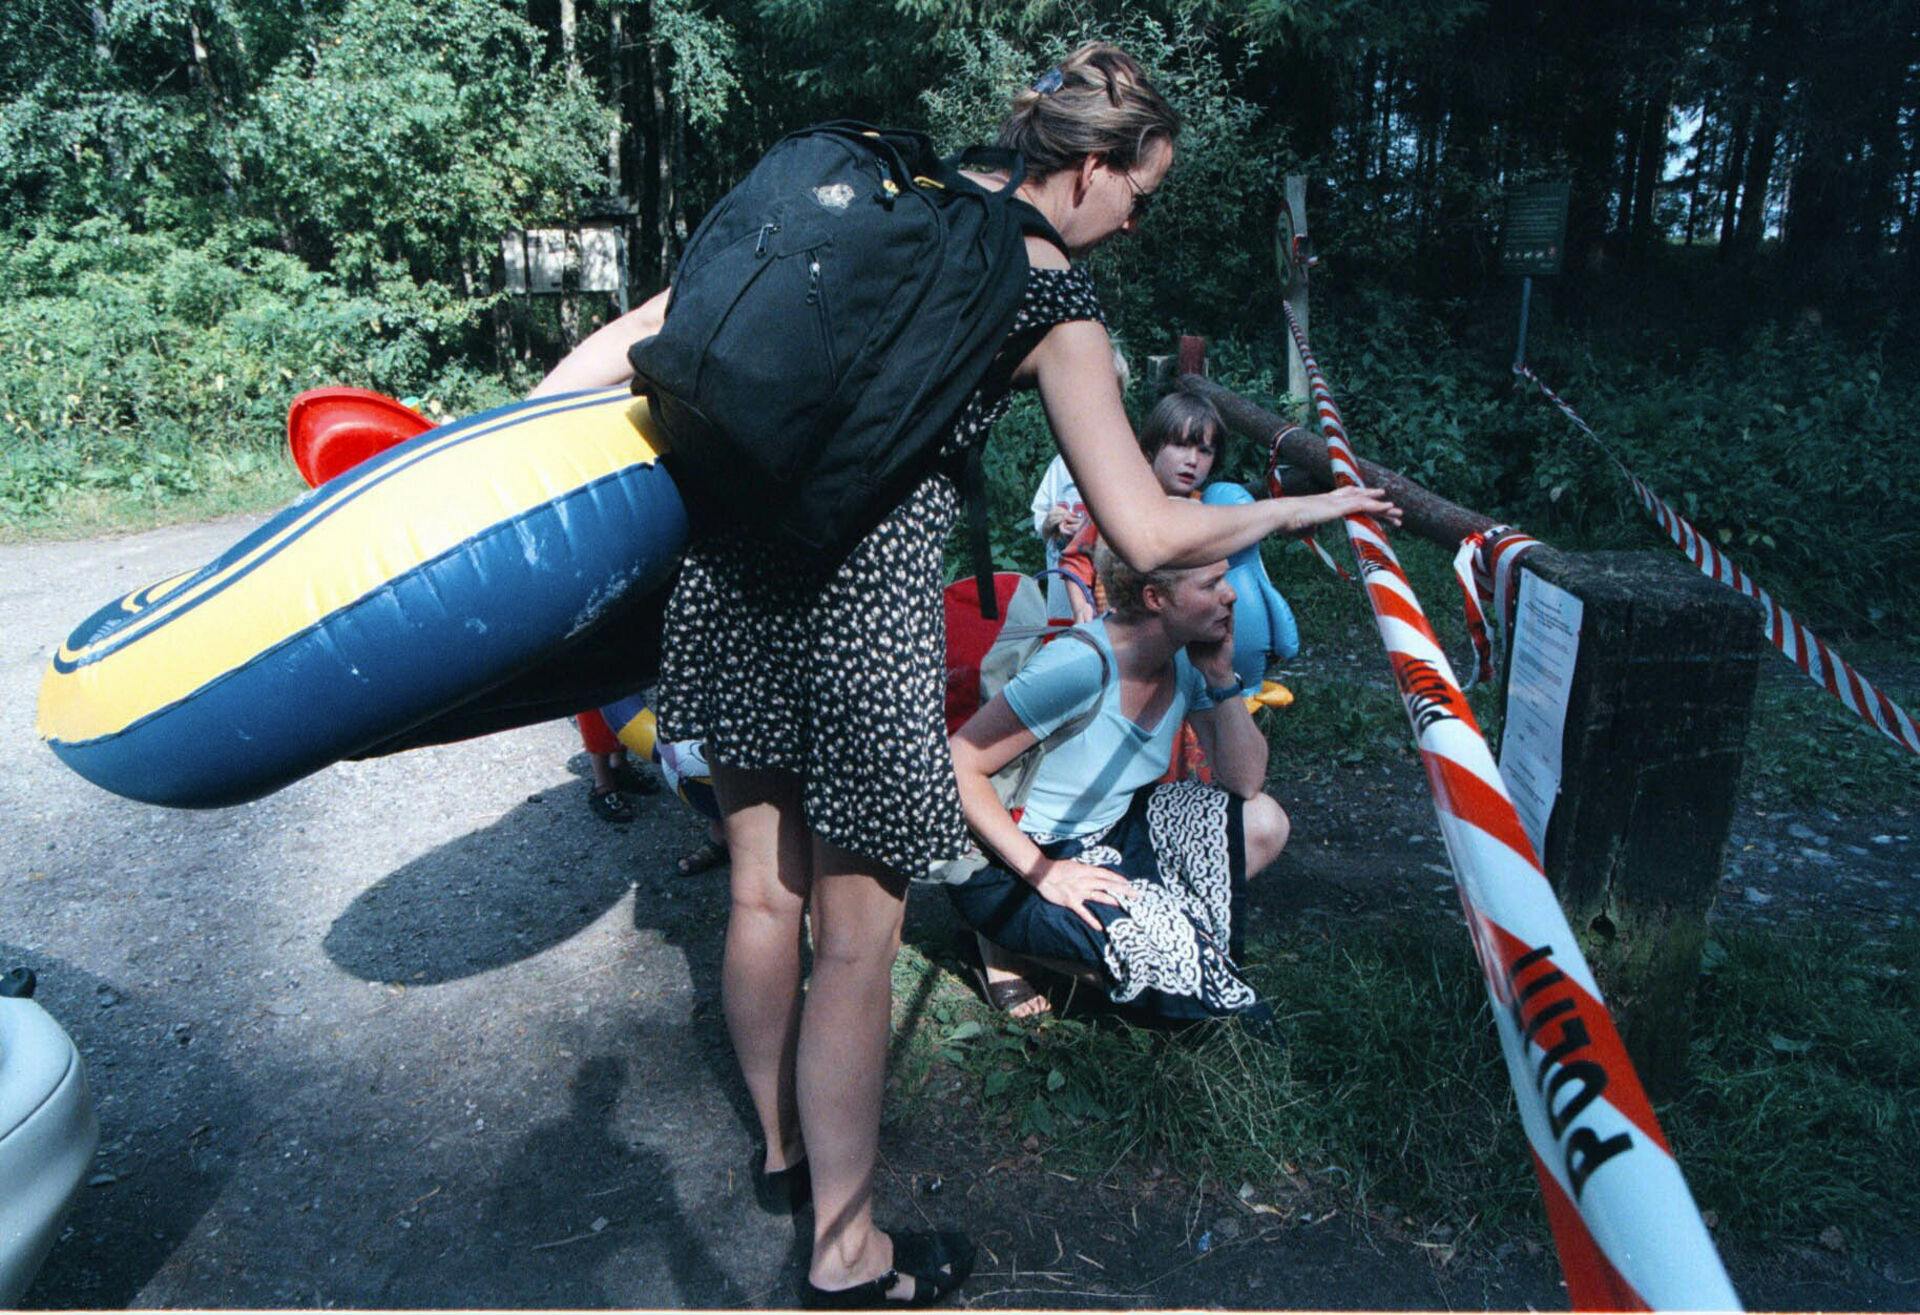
(206, 205)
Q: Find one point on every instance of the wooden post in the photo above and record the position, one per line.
(1160, 374)
(1655, 738)
(1654, 741)
(1296, 292)
(1193, 354)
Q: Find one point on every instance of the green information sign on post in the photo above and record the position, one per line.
(1534, 237)
(1533, 240)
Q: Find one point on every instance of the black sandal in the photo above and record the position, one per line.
(1009, 995)
(610, 805)
(936, 1262)
(785, 1191)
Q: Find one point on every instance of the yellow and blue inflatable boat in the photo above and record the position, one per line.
(375, 608)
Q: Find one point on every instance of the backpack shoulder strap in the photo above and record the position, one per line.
(998, 159)
(1080, 721)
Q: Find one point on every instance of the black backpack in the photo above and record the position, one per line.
(829, 320)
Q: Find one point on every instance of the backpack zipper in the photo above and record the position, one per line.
(766, 230)
(816, 298)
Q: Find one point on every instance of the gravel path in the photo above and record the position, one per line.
(412, 1032)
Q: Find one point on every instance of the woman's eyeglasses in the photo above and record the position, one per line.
(1142, 200)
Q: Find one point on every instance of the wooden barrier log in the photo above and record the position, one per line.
(1427, 513)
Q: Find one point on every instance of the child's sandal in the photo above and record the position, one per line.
(610, 805)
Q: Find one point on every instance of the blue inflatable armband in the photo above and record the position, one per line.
(1263, 624)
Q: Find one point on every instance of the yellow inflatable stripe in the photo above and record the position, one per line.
(155, 614)
(477, 479)
(154, 592)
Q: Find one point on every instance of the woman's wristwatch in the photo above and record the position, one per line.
(1213, 698)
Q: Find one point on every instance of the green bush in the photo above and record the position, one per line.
(141, 366)
(1787, 453)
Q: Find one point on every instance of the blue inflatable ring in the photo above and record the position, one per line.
(403, 588)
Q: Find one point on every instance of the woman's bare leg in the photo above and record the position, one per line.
(1266, 827)
(760, 974)
(858, 909)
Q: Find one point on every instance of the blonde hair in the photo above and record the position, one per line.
(1100, 104)
(1127, 588)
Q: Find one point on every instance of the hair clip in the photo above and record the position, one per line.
(1050, 81)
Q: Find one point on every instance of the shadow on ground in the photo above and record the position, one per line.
(538, 1191)
(488, 899)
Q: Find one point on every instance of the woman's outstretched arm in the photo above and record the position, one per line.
(600, 361)
(1074, 368)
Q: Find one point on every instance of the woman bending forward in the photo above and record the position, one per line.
(835, 777)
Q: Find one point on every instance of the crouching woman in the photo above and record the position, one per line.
(1108, 874)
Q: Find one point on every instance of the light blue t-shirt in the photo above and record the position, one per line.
(1086, 783)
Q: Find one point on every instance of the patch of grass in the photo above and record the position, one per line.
(1806, 749)
(1337, 721)
(1390, 1090)
(1392, 1093)
(1805, 1060)
(230, 487)
(1345, 711)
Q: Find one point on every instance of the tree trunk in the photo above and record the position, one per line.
(1730, 184)
(1653, 164)
(102, 49)
(1384, 169)
(1879, 203)
(209, 83)
(1361, 141)
(1629, 174)
(664, 199)
(1705, 148)
(1592, 141)
(679, 209)
(616, 97)
(1752, 223)
(103, 57)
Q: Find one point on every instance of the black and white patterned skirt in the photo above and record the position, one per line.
(839, 680)
(1171, 947)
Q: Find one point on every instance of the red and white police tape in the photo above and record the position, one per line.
(1628, 1232)
(1484, 565)
(1812, 654)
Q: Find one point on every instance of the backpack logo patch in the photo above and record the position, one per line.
(834, 196)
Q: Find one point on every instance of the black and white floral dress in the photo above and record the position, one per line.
(842, 681)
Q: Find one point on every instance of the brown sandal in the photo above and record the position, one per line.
(711, 854)
(1010, 995)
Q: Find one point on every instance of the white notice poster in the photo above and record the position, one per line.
(1546, 641)
(600, 262)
